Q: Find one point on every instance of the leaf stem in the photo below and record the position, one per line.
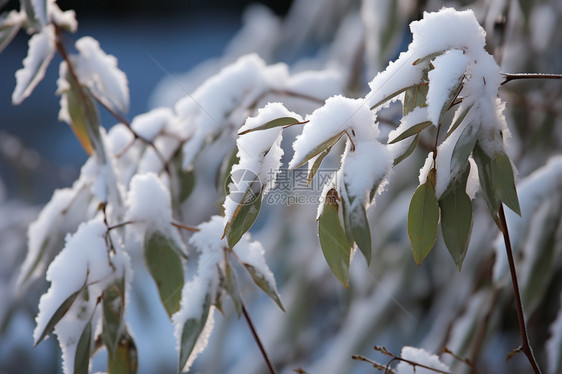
(257, 339)
(525, 347)
(511, 77)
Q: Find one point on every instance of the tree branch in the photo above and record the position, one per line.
(511, 77)
(525, 347)
(257, 339)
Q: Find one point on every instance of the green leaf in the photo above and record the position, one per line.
(245, 214)
(415, 97)
(463, 148)
(457, 218)
(283, 121)
(192, 328)
(430, 56)
(504, 182)
(164, 264)
(316, 165)
(83, 349)
(361, 231)
(125, 359)
(414, 130)
(8, 28)
(423, 220)
(320, 148)
(113, 310)
(333, 239)
(486, 182)
(57, 316)
(261, 281)
(229, 283)
(394, 94)
(225, 170)
(411, 148)
(458, 121)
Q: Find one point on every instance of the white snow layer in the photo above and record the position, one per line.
(100, 73)
(39, 55)
(259, 153)
(419, 356)
(149, 125)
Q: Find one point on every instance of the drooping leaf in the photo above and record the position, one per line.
(245, 214)
(125, 360)
(394, 94)
(361, 231)
(423, 220)
(262, 282)
(333, 239)
(113, 310)
(164, 264)
(430, 56)
(316, 165)
(57, 316)
(229, 283)
(457, 218)
(458, 121)
(452, 97)
(463, 148)
(485, 171)
(83, 349)
(320, 148)
(39, 55)
(503, 181)
(414, 130)
(9, 26)
(411, 148)
(191, 330)
(415, 97)
(283, 121)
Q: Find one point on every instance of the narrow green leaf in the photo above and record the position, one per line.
(83, 349)
(411, 148)
(423, 220)
(415, 97)
(229, 283)
(430, 56)
(192, 328)
(504, 182)
(414, 130)
(261, 281)
(320, 148)
(316, 165)
(396, 93)
(457, 218)
(361, 231)
(283, 121)
(125, 359)
(245, 214)
(486, 182)
(458, 121)
(113, 310)
(57, 316)
(333, 239)
(164, 264)
(452, 96)
(463, 148)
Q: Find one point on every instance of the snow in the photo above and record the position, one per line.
(63, 19)
(100, 73)
(316, 84)
(427, 166)
(337, 115)
(253, 254)
(259, 152)
(149, 125)
(443, 80)
(473, 182)
(419, 356)
(148, 203)
(40, 53)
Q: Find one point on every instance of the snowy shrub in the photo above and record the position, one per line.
(146, 193)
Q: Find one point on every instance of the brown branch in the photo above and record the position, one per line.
(257, 339)
(184, 227)
(525, 347)
(511, 77)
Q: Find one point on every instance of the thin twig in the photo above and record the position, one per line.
(184, 227)
(257, 339)
(511, 77)
(525, 347)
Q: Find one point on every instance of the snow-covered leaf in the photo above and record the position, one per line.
(423, 221)
(316, 165)
(360, 230)
(463, 148)
(164, 264)
(414, 130)
(503, 181)
(228, 281)
(39, 55)
(486, 181)
(113, 312)
(459, 120)
(263, 282)
(415, 97)
(83, 349)
(36, 11)
(56, 317)
(191, 331)
(333, 239)
(456, 218)
(283, 121)
(430, 56)
(396, 93)
(411, 148)
(318, 149)
(10, 24)
(125, 359)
